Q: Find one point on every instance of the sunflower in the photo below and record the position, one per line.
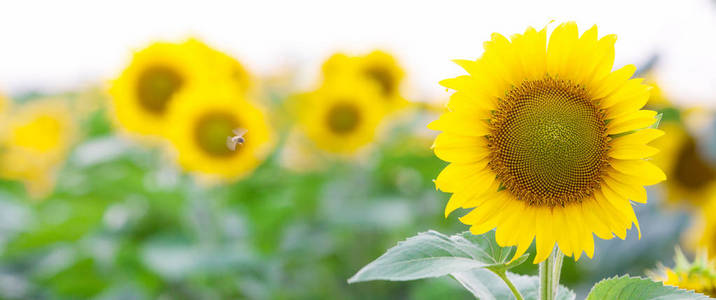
(377, 67)
(201, 121)
(692, 177)
(699, 275)
(223, 65)
(342, 116)
(546, 142)
(144, 91)
(37, 138)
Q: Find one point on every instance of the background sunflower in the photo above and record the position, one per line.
(202, 120)
(142, 94)
(36, 139)
(127, 220)
(341, 116)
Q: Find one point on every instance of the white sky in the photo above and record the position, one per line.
(59, 45)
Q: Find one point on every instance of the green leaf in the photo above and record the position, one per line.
(637, 288)
(485, 285)
(433, 254)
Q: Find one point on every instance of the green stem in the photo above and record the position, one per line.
(549, 272)
(512, 287)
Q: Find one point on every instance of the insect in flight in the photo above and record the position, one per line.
(236, 139)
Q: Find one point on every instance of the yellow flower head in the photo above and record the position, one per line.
(144, 91)
(201, 121)
(546, 142)
(223, 65)
(342, 116)
(699, 275)
(377, 67)
(37, 139)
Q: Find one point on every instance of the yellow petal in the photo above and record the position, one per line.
(561, 44)
(598, 226)
(615, 220)
(637, 172)
(633, 192)
(485, 217)
(561, 233)
(618, 221)
(613, 81)
(632, 152)
(461, 149)
(581, 233)
(526, 232)
(481, 106)
(602, 62)
(545, 234)
(641, 137)
(470, 66)
(574, 230)
(457, 177)
(582, 54)
(636, 120)
(463, 82)
(532, 52)
(633, 98)
(623, 205)
(461, 123)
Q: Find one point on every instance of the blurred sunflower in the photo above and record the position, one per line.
(202, 120)
(546, 142)
(341, 117)
(223, 65)
(143, 92)
(377, 67)
(37, 139)
(699, 275)
(692, 177)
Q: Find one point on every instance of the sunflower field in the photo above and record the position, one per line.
(546, 167)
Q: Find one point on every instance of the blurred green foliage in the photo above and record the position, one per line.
(123, 223)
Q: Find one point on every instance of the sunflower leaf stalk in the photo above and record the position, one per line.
(549, 273)
(503, 275)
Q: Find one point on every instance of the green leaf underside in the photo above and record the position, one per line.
(433, 254)
(637, 288)
(485, 285)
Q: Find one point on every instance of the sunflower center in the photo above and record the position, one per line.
(343, 118)
(155, 87)
(384, 79)
(691, 169)
(211, 132)
(548, 142)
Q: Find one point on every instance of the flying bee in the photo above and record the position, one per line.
(237, 138)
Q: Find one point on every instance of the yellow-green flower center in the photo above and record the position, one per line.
(155, 87)
(211, 131)
(548, 142)
(343, 118)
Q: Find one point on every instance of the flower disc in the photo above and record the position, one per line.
(549, 142)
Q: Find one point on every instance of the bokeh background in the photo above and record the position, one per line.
(100, 199)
